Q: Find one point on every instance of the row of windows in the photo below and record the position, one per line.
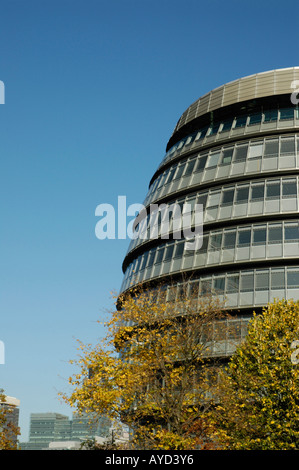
(247, 288)
(229, 125)
(269, 279)
(230, 245)
(254, 156)
(271, 196)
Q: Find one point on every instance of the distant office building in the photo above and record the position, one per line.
(61, 432)
(45, 428)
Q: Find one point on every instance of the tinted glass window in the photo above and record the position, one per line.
(286, 113)
(257, 191)
(242, 194)
(271, 148)
(227, 156)
(229, 239)
(291, 233)
(293, 278)
(241, 153)
(246, 282)
(227, 126)
(273, 190)
(289, 188)
(232, 284)
(275, 234)
(241, 121)
(287, 147)
(244, 237)
(201, 162)
(228, 196)
(277, 279)
(255, 118)
(271, 115)
(259, 236)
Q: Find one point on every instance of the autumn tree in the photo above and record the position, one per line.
(153, 370)
(8, 431)
(258, 405)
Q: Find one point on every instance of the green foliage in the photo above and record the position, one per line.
(258, 405)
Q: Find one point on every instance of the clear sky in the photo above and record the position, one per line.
(93, 90)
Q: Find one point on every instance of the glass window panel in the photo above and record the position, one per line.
(293, 278)
(202, 133)
(242, 194)
(287, 147)
(180, 170)
(275, 233)
(214, 199)
(227, 125)
(168, 252)
(273, 190)
(244, 237)
(255, 118)
(190, 167)
(206, 286)
(241, 153)
(259, 235)
(247, 282)
(286, 113)
(179, 250)
(214, 128)
(160, 254)
(201, 162)
(213, 160)
(188, 205)
(291, 233)
(229, 239)
(205, 242)
(190, 139)
(137, 264)
(227, 156)
(271, 115)
(215, 241)
(241, 121)
(232, 283)
(257, 192)
(262, 280)
(171, 172)
(202, 199)
(163, 178)
(277, 279)
(271, 148)
(144, 260)
(181, 144)
(255, 150)
(219, 284)
(289, 188)
(228, 196)
(151, 258)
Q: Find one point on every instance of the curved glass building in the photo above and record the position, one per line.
(235, 151)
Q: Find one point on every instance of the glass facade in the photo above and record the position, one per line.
(240, 162)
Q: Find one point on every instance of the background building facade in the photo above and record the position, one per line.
(236, 152)
(61, 432)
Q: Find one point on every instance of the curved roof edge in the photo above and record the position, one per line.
(269, 83)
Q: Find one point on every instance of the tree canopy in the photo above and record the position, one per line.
(152, 371)
(258, 406)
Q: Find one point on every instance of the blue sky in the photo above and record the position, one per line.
(93, 91)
